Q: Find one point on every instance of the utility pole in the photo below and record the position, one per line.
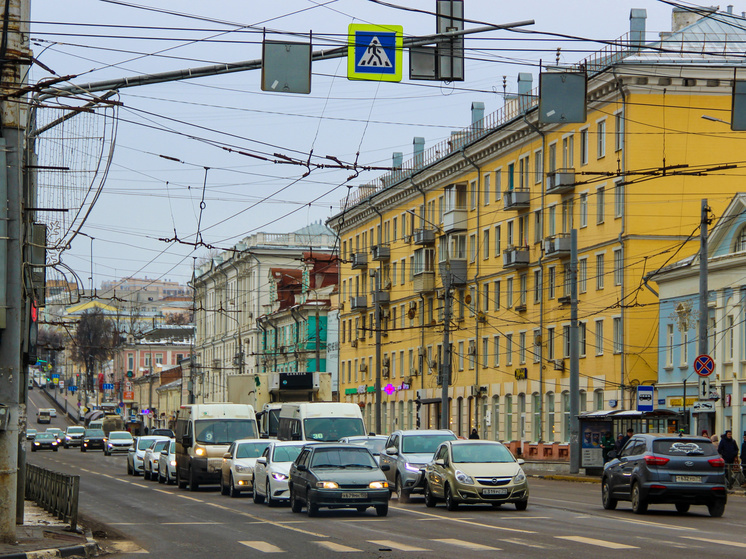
(377, 311)
(445, 377)
(574, 357)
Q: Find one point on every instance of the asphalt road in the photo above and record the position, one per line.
(563, 518)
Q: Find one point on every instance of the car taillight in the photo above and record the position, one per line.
(717, 462)
(656, 460)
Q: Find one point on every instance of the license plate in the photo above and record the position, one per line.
(689, 479)
(494, 491)
(350, 495)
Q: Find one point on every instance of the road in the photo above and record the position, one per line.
(562, 518)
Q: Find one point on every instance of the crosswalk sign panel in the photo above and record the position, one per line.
(374, 52)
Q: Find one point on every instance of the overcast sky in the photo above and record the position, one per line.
(168, 134)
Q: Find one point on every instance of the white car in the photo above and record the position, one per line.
(272, 469)
(118, 441)
(150, 458)
(167, 464)
(237, 470)
(136, 453)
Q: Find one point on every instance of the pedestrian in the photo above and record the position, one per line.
(743, 449)
(714, 439)
(474, 434)
(628, 436)
(607, 445)
(728, 449)
(619, 443)
(705, 433)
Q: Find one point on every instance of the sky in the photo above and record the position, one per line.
(196, 165)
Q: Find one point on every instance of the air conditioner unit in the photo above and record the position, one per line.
(386, 361)
(363, 367)
(559, 365)
(408, 381)
(385, 313)
(413, 372)
(421, 351)
(387, 284)
(472, 349)
(385, 372)
(353, 343)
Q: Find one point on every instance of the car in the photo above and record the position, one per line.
(150, 458)
(272, 470)
(337, 476)
(44, 441)
(30, 434)
(73, 436)
(167, 464)
(237, 469)
(43, 417)
(665, 469)
(374, 443)
(58, 433)
(118, 441)
(52, 412)
(407, 453)
(472, 471)
(163, 432)
(92, 439)
(136, 452)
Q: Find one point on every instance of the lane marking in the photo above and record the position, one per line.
(468, 545)
(122, 480)
(721, 542)
(264, 547)
(163, 491)
(467, 522)
(182, 496)
(260, 520)
(188, 523)
(524, 543)
(139, 485)
(640, 522)
(599, 543)
(338, 547)
(398, 546)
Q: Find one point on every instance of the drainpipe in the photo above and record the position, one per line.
(293, 315)
(258, 296)
(623, 361)
(422, 297)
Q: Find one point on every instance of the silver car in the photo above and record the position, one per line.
(136, 453)
(118, 441)
(150, 459)
(406, 454)
(167, 464)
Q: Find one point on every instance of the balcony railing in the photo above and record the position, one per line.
(561, 181)
(457, 270)
(558, 245)
(359, 260)
(424, 236)
(517, 199)
(359, 303)
(516, 257)
(454, 220)
(380, 252)
(424, 282)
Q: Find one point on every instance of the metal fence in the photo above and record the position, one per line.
(55, 492)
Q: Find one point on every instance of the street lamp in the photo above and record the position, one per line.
(715, 119)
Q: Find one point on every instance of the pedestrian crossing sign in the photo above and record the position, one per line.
(374, 52)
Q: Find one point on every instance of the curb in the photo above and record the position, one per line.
(89, 549)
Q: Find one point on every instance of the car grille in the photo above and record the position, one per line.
(493, 481)
(353, 487)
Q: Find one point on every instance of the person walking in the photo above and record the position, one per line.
(728, 450)
(474, 434)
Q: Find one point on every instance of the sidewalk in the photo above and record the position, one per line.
(43, 535)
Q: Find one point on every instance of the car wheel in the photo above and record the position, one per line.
(223, 487)
(181, 484)
(33, 449)
(682, 508)
(295, 504)
(607, 500)
(232, 491)
(145, 473)
(639, 505)
(82, 448)
(259, 499)
(106, 453)
(268, 492)
(716, 508)
(403, 494)
(451, 503)
(161, 479)
(129, 468)
(312, 509)
(521, 505)
(430, 501)
(193, 483)
(382, 510)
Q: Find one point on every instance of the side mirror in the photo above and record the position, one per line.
(164, 452)
(385, 468)
(227, 456)
(520, 461)
(392, 451)
(301, 468)
(261, 460)
(186, 441)
(295, 437)
(440, 462)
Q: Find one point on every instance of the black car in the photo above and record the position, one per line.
(44, 441)
(93, 438)
(660, 468)
(337, 476)
(163, 433)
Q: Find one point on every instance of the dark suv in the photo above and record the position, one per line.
(660, 468)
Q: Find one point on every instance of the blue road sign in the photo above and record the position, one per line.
(374, 52)
(645, 398)
(108, 386)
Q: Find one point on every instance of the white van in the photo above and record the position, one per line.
(203, 434)
(320, 421)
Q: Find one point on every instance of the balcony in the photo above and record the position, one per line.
(457, 269)
(424, 237)
(424, 282)
(560, 181)
(516, 257)
(359, 260)
(517, 199)
(558, 245)
(381, 297)
(454, 220)
(380, 253)
(359, 304)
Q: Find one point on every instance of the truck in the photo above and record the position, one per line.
(203, 434)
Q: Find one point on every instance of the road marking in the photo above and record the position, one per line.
(163, 491)
(599, 543)
(477, 524)
(182, 496)
(188, 523)
(398, 546)
(141, 485)
(338, 547)
(647, 523)
(524, 543)
(260, 520)
(122, 480)
(467, 545)
(264, 547)
(721, 542)
(84, 470)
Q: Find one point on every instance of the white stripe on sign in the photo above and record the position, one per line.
(338, 547)
(599, 543)
(468, 545)
(398, 546)
(264, 547)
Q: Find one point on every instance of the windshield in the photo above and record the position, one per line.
(160, 445)
(142, 444)
(423, 444)
(375, 446)
(343, 458)
(44, 436)
(76, 430)
(224, 431)
(250, 450)
(172, 448)
(274, 422)
(286, 453)
(332, 428)
(120, 436)
(94, 433)
(478, 453)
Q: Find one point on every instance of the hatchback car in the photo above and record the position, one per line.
(272, 470)
(469, 471)
(374, 443)
(163, 432)
(44, 441)
(92, 439)
(73, 436)
(150, 458)
(337, 476)
(406, 454)
(30, 434)
(237, 469)
(136, 453)
(661, 468)
(167, 464)
(118, 441)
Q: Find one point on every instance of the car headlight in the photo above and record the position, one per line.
(36, 444)
(86, 441)
(243, 469)
(378, 485)
(280, 477)
(327, 485)
(54, 442)
(461, 477)
(173, 463)
(520, 477)
(199, 451)
(413, 467)
(68, 437)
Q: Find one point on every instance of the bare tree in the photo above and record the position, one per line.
(95, 340)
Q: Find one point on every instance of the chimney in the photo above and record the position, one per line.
(418, 150)
(477, 116)
(730, 8)
(683, 17)
(396, 160)
(637, 17)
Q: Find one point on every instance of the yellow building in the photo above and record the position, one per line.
(496, 203)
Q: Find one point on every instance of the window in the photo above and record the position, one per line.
(582, 337)
(497, 295)
(511, 237)
(485, 352)
(619, 200)
(424, 261)
(583, 210)
(684, 348)
(601, 137)
(598, 397)
(550, 417)
(669, 345)
(473, 195)
(393, 273)
(600, 203)
(600, 337)
(565, 416)
(495, 413)
(538, 227)
(584, 147)
(567, 283)
(618, 131)
(497, 240)
(496, 350)
(509, 294)
(537, 345)
(565, 341)
(461, 356)
(538, 166)
(523, 231)
(536, 415)
(508, 417)
(498, 183)
(599, 271)
(511, 176)
(567, 215)
(524, 289)
(582, 275)
(617, 327)
(729, 329)
(485, 296)
(486, 186)
(552, 163)
(455, 197)
(551, 281)
(403, 271)
(568, 151)
(486, 244)
(618, 269)
(472, 248)
(741, 241)
(523, 167)
(537, 286)
(394, 229)
(550, 342)
(509, 349)
(551, 221)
